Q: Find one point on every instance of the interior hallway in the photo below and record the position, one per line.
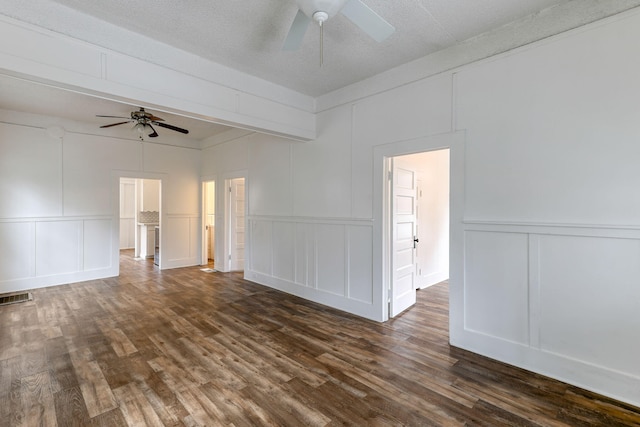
(185, 347)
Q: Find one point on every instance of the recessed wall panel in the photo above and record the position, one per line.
(360, 263)
(58, 247)
(590, 300)
(17, 250)
(283, 250)
(30, 173)
(270, 165)
(97, 244)
(496, 285)
(261, 246)
(330, 244)
(88, 162)
(177, 239)
(302, 254)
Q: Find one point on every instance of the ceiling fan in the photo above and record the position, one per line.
(321, 10)
(142, 119)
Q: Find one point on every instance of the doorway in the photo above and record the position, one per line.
(209, 223)
(417, 201)
(139, 210)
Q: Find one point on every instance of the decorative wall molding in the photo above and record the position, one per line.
(562, 296)
(325, 260)
(44, 255)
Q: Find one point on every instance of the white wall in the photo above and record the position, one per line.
(59, 216)
(551, 230)
(545, 251)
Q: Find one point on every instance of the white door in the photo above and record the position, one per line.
(403, 225)
(236, 224)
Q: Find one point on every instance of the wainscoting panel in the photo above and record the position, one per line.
(590, 300)
(58, 247)
(182, 231)
(496, 282)
(96, 247)
(304, 256)
(127, 233)
(360, 252)
(331, 258)
(324, 260)
(284, 251)
(575, 288)
(261, 244)
(17, 250)
(51, 251)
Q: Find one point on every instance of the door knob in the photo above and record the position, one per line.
(415, 240)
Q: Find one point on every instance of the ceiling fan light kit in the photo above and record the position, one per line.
(322, 10)
(142, 120)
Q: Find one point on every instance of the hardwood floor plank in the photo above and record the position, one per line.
(394, 393)
(182, 347)
(38, 407)
(94, 387)
(70, 408)
(212, 363)
(119, 342)
(136, 408)
(173, 353)
(163, 409)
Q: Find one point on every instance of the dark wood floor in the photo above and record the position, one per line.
(185, 347)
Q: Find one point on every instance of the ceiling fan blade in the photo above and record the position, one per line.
(152, 134)
(113, 117)
(155, 119)
(116, 124)
(177, 129)
(369, 21)
(297, 31)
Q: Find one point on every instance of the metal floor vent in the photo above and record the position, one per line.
(6, 299)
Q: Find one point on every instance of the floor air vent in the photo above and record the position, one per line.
(6, 299)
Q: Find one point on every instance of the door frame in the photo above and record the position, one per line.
(222, 221)
(203, 213)
(115, 203)
(382, 281)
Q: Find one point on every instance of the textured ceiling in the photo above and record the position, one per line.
(248, 35)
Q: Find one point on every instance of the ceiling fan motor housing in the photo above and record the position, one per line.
(330, 7)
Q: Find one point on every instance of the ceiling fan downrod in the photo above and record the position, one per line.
(320, 17)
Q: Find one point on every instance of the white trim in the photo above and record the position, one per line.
(115, 204)
(453, 141)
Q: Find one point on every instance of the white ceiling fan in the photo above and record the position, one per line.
(321, 10)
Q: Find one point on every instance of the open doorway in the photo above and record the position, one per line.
(417, 202)
(209, 224)
(139, 226)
